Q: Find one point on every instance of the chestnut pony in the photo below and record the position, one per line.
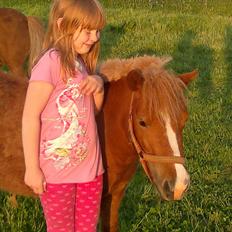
(21, 37)
(142, 119)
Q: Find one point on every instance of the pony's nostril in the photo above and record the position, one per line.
(168, 189)
(187, 184)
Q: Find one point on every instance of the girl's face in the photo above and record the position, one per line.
(85, 39)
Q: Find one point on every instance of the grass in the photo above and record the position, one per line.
(198, 35)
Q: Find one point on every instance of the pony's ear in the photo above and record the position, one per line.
(135, 79)
(188, 77)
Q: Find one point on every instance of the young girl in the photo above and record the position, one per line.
(61, 147)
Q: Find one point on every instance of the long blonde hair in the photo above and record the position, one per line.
(84, 14)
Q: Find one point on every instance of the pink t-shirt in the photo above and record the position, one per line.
(69, 143)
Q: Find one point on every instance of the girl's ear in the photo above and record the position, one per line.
(59, 20)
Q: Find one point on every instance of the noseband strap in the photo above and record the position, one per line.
(145, 157)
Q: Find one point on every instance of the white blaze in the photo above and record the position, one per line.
(182, 176)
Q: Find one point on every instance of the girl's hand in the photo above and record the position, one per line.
(35, 180)
(92, 85)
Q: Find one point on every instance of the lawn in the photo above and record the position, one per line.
(198, 35)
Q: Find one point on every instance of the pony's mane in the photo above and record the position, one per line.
(115, 69)
(163, 93)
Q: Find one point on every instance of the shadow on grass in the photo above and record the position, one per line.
(226, 104)
(226, 112)
(139, 193)
(187, 57)
(110, 37)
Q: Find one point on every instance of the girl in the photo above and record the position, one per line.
(61, 147)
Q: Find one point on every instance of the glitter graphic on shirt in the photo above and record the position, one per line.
(70, 148)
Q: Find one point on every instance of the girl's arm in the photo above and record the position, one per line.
(98, 100)
(37, 96)
(94, 84)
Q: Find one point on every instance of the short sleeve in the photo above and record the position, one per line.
(47, 69)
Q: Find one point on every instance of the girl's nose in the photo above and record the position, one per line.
(95, 36)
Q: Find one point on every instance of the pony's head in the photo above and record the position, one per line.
(158, 116)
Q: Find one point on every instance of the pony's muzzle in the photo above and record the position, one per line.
(181, 188)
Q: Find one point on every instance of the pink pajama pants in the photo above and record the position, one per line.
(72, 207)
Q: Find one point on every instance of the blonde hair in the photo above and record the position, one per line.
(83, 14)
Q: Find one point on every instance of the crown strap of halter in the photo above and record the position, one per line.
(145, 157)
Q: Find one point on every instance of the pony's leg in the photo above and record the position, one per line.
(110, 209)
(111, 201)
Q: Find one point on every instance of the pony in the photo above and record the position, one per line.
(142, 119)
(29, 33)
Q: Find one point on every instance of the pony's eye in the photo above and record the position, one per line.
(142, 123)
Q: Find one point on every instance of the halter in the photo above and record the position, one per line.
(145, 157)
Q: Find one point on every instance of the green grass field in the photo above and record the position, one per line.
(198, 35)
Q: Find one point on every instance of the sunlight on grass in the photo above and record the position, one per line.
(198, 35)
